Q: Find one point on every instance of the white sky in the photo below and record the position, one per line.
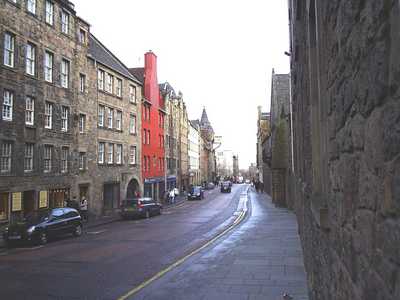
(219, 53)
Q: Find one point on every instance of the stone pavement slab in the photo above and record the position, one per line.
(261, 259)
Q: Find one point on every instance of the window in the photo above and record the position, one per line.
(47, 158)
(144, 163)
(48, 115)
(30, 59)
(119, 154)
(119, 120)
(5, 159)
(64, 22)
(82, 36)
(28, 161)
(101, 153)
(100, 79)
(101, 115)
(82, 161)
(82, 83)
(144, 137)
(65, 73)
(110, 117)
(64, 160)
(82, 123)
(8, 99)
(29, 110)
(119, 87)
(110, 153)
(9, 46)
(132, 124)
(109, 83)
(148, 137)
(132, 94)
(132, 155)
(49, 12)
(48, 66)
(31, 6)
(64, 118)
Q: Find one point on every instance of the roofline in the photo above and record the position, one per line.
(84, 21)
(123, 65)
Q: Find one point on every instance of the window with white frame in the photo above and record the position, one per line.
(64, 159)
(64, 73)
(82, 123)
(29, 110)
(64, 22)
(132, 94)
(8, 100)
(101, 116)
(119, 154)
(64, 118)
(48, 66)
(82, 161)
(47, 157)
(118, 120)
(101, 153)
(109, 83)
(119, 87)
(28, 160)
(110, 153)
(49, 12)
(48, 115)
(9, 48)
(5, 159)
(132, 155)
(82, 36)
(110, 117)
(82, 83)
(100, 79)
(132, 124)
(30, 63)
(31, 6)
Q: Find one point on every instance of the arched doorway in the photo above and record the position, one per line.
(132, 189)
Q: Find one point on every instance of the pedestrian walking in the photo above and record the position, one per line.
(172, 196)
(84, 209)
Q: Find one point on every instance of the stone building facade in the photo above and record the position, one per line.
(108, 135)
(38, 103)
(346, 110)
(183, 147)
(263, 133)
(194, 153)
(280, 139)
(207, 151)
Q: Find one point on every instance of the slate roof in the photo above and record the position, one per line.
(195, 123)
(105, 57)
(138, 73)
(166, 88)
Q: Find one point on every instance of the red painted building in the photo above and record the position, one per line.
(153, 116)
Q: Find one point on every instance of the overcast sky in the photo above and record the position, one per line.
(219, 53)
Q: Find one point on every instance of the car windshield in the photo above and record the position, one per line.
(196, 190)
(37, 216)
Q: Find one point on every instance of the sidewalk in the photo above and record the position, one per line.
(261, 259)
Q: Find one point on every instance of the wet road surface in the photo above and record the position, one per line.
(261, 259)
(109, 260)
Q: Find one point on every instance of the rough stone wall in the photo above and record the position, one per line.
(346, 110)
(26, 27)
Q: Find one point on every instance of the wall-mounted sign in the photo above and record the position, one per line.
(43, 199)
(16, 202)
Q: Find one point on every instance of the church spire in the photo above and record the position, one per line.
(204, 118)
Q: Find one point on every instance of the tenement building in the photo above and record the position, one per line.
(263, 133)
(207, 151)
(194, 153)
(38, 105)
(345, 85)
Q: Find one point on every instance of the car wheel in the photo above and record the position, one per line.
(147, 215)
(43, 238)
(78, 230)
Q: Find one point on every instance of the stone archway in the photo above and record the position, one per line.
(132, 188)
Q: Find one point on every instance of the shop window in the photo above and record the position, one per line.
(4, 206)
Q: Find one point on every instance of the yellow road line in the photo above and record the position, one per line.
(183, 259)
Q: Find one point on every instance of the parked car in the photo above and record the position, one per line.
(39, 226)
(226, 187)
(196, 193)
(140, 207)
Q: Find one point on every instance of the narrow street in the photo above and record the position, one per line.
(110, 260)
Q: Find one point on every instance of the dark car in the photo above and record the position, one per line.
(196, 193)
(140, 207)
(226, 187)
(39, 226)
